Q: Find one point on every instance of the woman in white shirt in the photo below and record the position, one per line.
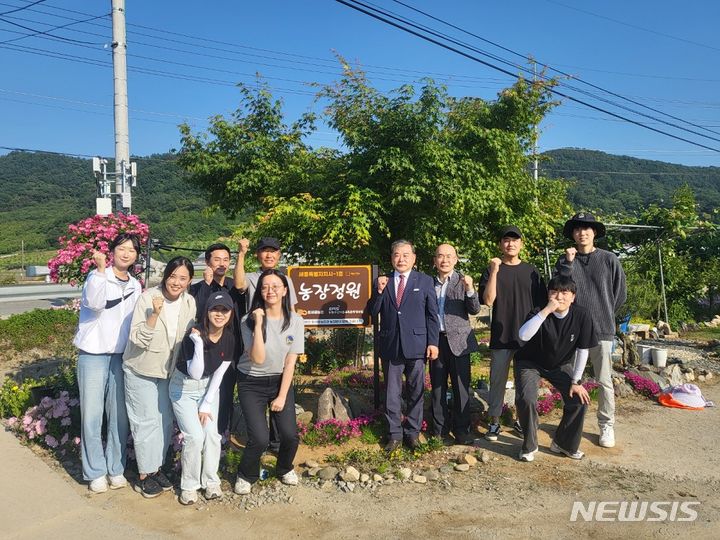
(108, 298)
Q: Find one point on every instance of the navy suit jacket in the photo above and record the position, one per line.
(408, 330)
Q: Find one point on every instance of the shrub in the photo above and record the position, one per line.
(52, 328)
(643, 386)
(335, 349)
(15, 397)
(333, 431)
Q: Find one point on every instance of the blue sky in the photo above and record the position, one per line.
(57, 95)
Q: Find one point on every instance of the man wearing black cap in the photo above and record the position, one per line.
(512, 288)
(268, 255)
(601, 290)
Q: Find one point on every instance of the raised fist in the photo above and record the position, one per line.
(468, 283)
(495, 264)
(100, 260)
(382, 282)
(208, 275)
(157, 303)
(570, 254)
(243, 246)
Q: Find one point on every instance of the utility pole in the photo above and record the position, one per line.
(124, 170)
(536, 176)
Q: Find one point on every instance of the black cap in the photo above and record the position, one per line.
(583, 219)
(220, 298)
(510, 230)
(268, 242)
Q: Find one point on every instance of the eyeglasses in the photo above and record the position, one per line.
(273, 288)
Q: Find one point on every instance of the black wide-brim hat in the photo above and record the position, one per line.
(583, 219)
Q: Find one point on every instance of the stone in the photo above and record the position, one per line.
(689, 375)
(708, 375)
(350, 474)
(332, 405)
(622, 389)
(445, 469)
(673, 374)
(305, 418)
(467, 458)
(432, 474)
(404, 473)
(298, 410)
(364, 477)
(419, 479)
(485, 456)
(701, 378)
(328, 473)
(462, 467)
(311, 464)
(377, 477)
(313, 472)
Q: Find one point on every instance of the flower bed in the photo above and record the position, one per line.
(642, 385)
(334, 431)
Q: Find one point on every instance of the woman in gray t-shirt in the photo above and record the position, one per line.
(273, 336)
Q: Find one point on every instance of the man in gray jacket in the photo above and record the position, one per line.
(457, 300)
(601, 290)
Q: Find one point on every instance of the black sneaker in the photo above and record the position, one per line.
(162, 480)
(517, 428)
(493, 432)
(148, 487)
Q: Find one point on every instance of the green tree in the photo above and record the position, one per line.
(416, 164)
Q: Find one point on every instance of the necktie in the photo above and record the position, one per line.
(400, 290)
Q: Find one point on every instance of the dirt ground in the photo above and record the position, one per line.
(662, 455)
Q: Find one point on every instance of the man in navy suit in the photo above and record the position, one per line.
(409, 333)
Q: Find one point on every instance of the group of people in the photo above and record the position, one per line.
(177, 352)
(547, 332)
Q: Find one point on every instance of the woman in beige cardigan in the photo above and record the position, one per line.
(161, 318)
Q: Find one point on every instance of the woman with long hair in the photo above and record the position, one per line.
(273, 336)
(162, 316)
(194, 393)
(108, 299)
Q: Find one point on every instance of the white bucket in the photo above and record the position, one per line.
(659, 357)
(644, 352)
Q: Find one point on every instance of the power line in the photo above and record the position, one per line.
(21, 8)
(47, 32)
(562, 73)
(352, 4)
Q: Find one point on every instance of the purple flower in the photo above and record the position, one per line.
(51, 441)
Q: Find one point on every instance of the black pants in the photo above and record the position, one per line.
(255, 395)
(225, 402)
(527, 379)
(458, 369)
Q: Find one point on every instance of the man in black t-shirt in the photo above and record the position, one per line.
(556, 343)
(512, 288)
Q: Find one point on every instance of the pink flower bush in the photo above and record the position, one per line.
(333, 431)
(54, 424)
(643, 386)
(74, 258)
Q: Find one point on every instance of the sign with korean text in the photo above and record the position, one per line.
(332, 295)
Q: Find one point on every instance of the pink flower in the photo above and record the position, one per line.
(64, 438)
(76, 441)
(51, 441)
(12, 421)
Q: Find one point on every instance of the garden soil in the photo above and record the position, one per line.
(662, 455)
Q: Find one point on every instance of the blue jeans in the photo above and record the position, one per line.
(201, 444)
(100, 380)
(151, 419)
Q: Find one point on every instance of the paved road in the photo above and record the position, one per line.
(22, 298)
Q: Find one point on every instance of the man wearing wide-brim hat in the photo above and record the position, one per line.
(601, 290)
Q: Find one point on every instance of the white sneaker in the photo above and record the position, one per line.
(188, 496)
(242, 486)
(99, 485)
(607, 436)
(289, 478)
(117, 482)
(572, 455)
(530, 456)
(213, 492)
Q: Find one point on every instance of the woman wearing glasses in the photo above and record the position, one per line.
(273, 337)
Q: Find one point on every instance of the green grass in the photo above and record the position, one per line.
(702, 334)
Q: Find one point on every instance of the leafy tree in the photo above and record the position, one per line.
(419, 165)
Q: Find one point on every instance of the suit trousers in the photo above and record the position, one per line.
(414, 371)
(527, 379)
(458, 369)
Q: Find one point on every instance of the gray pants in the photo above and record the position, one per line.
(569, 430)
(602, 367)
(499, 369)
